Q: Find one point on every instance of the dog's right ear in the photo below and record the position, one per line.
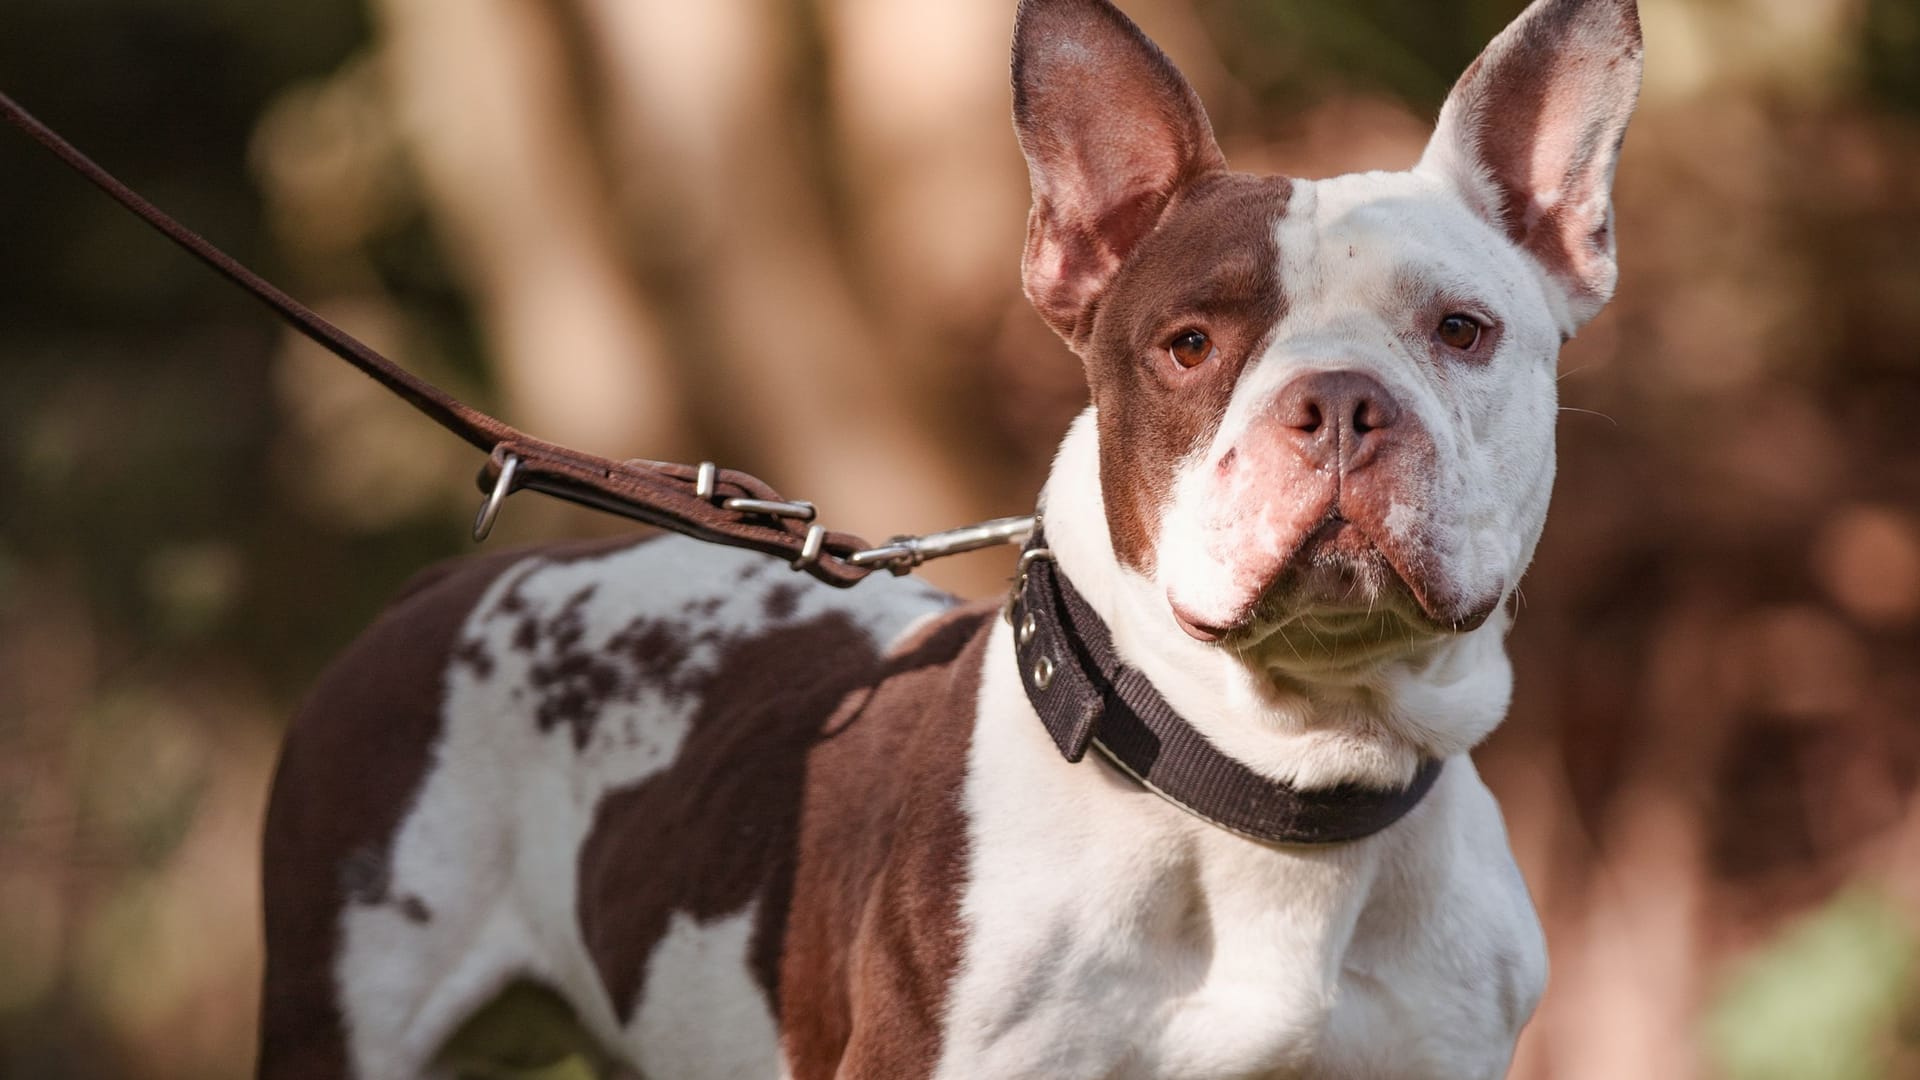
(1111, 132)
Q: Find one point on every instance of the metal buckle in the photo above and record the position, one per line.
(810, 547)
(502, 487)
(798, 511)
(706, 486)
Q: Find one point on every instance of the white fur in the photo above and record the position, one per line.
(698, 987)
(491, 845)
(1354, 251)
(1125, 938)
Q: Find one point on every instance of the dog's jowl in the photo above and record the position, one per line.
(1200, 807)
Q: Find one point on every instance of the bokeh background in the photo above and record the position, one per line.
(784, 234)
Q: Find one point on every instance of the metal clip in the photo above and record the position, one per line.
(903, 553)
(502, 487)
(899, 555)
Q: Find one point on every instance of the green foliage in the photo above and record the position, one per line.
(527, 1033)
(1823, 1000)
(1890, 51)
(1290, 52)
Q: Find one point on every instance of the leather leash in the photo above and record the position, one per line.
(722, 506)
(1085, 695)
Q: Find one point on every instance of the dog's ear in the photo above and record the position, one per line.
(1111, 132)
(1531, 135)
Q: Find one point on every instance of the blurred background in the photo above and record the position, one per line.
(784, 235)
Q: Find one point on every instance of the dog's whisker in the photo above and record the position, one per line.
(1591, 412)
(1288, 638)
(1308, 627)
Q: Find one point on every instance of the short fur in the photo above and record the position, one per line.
(742, 825)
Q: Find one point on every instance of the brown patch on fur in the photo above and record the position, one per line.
(874, 938)
(354, 759)
(824, 790)
(367, 879)
(782, 601)
(1213, 264)
(1138, 232)
(572, 682)
(718, 829)
(473, 653)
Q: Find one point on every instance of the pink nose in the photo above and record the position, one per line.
(1337, 416)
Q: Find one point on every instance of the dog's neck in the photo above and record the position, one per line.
(1371, 724)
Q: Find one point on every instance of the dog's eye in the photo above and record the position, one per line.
(1190, 348)
(1458, 331)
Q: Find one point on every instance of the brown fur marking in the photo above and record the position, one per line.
(1213, 264)
(354, 758)
(874, 936)
(819, 780)
(1138, 232)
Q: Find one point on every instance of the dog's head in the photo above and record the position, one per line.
(1327, 405)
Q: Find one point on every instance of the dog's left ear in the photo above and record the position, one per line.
(1531, 135)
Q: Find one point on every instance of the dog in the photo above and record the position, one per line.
(1199, 806)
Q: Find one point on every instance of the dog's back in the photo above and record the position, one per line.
(601, 769)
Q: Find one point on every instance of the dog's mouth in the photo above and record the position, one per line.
(1343, 596)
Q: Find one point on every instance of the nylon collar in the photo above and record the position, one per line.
(1087, 697)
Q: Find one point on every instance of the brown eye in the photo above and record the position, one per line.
(1460, 332)
(1190, 348)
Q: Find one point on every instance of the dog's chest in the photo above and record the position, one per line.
(1111, 935)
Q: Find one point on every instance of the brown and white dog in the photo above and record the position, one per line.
(729, 823)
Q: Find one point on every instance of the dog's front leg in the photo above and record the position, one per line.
(899, 980)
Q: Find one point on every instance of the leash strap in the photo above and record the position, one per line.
(722, 506)
(1087, 697)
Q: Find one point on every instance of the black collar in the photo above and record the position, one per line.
(1087, 697)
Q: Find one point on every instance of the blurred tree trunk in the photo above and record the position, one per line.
(713, 111)
(639, 195)
(483, 92)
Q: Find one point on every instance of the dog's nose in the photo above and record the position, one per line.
(1337, 416)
